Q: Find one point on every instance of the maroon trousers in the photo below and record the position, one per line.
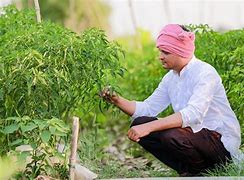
(188, 153)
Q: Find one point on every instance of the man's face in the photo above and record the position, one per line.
(168, 60)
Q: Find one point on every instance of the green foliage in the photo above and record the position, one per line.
(47, 70)
(47, 74)
(54, 10)
(41, 134)
(230, 169)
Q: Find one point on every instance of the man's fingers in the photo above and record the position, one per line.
(133, 136)
(136, 137)
(108, 99)
(105, 94)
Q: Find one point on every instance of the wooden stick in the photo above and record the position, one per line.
(74, 141)
(37, 8)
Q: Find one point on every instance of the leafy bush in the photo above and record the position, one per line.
(47, 70)
(42, 136)
(47, 74)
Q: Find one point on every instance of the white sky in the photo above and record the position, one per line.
(150, 14)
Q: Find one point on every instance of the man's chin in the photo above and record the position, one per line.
(165, 67)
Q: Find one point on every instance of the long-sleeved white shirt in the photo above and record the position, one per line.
(199, 95)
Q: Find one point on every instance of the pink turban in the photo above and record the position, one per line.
(173, 39)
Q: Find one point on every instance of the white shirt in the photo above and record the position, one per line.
(199, 95)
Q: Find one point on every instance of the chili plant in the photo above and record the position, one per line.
(47, 72)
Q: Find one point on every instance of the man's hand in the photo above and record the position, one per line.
(139, 131)
(109, 95)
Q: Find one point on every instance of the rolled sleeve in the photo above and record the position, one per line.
(191, 117)
(140, 110)
(185, 119)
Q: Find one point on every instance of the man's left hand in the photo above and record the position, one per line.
(139, 131)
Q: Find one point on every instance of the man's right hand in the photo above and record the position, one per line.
(109, 95)
(125, 105)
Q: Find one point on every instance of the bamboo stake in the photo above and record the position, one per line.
(37, 8)
(74, 141)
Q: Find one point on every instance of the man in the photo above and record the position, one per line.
(203, 131)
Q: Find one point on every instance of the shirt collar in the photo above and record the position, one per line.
(187, 67)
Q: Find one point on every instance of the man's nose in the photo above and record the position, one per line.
(161, 57)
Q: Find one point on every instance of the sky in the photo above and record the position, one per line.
(151, 14)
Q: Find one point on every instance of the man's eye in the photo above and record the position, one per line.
(165, 52)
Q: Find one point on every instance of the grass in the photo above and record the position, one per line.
(136, 163)
(94, 156)
(231, 169)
